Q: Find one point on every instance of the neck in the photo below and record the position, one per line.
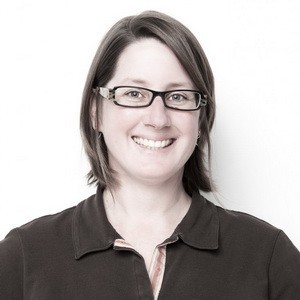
(140, 201)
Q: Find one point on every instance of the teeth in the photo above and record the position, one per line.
(151, 144)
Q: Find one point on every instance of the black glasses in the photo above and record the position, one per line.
(136, 97)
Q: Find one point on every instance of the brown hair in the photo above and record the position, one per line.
(182, 42)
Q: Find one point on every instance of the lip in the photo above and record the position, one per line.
(153, 144)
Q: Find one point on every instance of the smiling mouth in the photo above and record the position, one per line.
(151, 144)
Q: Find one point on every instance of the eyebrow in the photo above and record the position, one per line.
(136, 81)
(171, 85)
(180, 85)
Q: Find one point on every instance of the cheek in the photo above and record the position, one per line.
(116, 120)
(106, 117)
(190, 124)
(193, 130)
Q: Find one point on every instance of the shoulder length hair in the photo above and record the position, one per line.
(185, 46)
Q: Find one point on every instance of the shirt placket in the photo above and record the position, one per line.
(157, 266)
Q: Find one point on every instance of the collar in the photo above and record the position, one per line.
(92, 231)
(200, 226)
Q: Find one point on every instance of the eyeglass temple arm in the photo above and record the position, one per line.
(105, 92)
(203, 101)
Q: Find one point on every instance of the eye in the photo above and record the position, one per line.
(134, 94)
(176, 97)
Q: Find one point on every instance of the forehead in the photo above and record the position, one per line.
(150, 63)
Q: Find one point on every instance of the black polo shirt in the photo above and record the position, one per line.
(214, 254)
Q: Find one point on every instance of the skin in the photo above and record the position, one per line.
(149, 63)
(150, 194)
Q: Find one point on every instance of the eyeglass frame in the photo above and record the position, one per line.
(109, 94)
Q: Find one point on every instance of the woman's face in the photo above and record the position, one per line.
(150, 144)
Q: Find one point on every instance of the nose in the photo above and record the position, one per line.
(157, 115)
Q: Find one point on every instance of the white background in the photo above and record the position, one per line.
(254, 50)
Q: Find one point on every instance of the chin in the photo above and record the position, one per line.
(158, 176)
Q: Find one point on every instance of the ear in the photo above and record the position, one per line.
(94, 115)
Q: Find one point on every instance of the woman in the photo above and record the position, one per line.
(148, 107)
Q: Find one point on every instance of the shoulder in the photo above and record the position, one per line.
(44, 222)
(26, 248)
(244, 222)
(46, 232)
(245, 233)
(263, 248)
(40, 231)
(48, 229)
